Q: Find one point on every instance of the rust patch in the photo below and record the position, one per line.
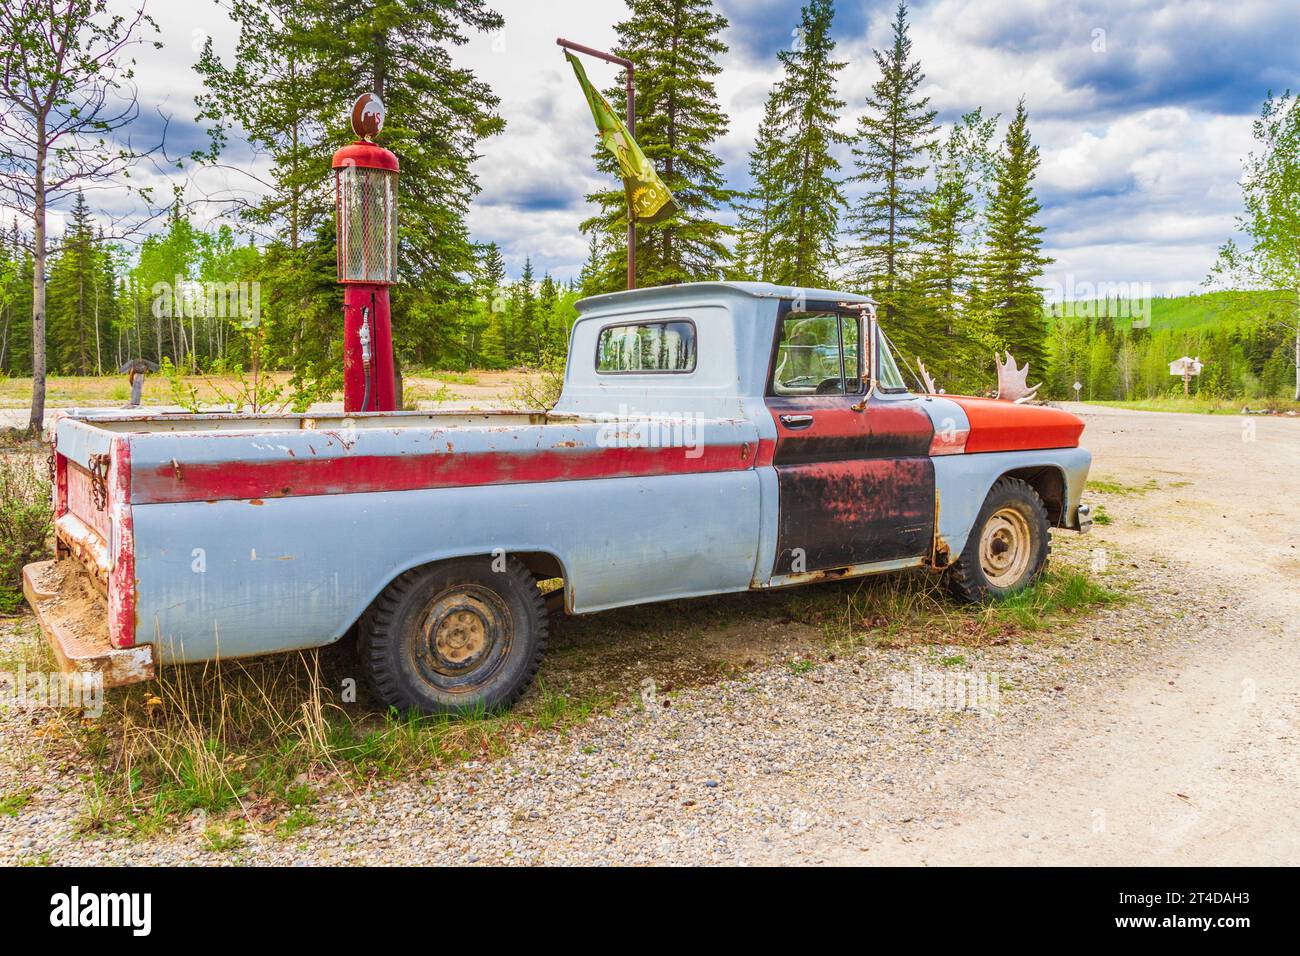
(839, 514)
(256, 501)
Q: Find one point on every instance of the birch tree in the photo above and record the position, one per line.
(65, 89)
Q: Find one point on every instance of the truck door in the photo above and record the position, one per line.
(855, 479)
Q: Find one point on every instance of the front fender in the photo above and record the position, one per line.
(962, 482)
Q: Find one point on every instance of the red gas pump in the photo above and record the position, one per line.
(365, 178)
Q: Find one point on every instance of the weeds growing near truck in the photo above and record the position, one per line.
(258, 740)
(26, 522)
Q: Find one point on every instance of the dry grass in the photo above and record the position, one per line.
(254, 740)
(487, 387)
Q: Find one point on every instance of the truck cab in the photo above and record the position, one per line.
(855, 471)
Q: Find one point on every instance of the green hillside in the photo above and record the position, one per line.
(1180, 313)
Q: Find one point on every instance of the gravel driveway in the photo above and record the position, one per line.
(1162, 730)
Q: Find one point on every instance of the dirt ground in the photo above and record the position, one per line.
(1196, 759)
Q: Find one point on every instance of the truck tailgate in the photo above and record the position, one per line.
(92, 517)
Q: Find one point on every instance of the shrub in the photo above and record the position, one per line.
(26, 522)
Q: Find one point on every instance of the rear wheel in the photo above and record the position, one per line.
(1008, 546)
(455, 637)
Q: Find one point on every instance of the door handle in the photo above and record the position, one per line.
(796, 421)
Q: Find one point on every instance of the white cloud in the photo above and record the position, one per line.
(1141, 142)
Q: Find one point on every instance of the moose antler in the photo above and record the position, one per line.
(1013, 382)
(925, 377)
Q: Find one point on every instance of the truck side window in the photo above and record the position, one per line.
(818, 354)
(647, 347)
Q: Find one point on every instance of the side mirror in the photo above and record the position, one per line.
(868, 340)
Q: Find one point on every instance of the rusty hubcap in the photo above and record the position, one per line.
(464, 636)
(1006, 548)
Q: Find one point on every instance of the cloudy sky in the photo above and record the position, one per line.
(1142, 111)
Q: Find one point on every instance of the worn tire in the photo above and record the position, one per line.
(455, 637)
(1008, 545)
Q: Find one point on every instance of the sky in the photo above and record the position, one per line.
(1142, 111)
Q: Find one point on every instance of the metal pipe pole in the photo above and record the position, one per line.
(628, 68)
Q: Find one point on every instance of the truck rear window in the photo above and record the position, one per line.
(647, 347)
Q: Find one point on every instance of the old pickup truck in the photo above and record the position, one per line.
(711, 437)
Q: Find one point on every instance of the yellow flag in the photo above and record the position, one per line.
(647, 197)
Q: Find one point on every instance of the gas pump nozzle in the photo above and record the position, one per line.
(364, 334)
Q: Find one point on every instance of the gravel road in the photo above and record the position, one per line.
(1163, 730)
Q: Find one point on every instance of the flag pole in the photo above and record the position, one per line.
(628, 69)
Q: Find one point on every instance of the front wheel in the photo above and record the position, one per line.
(455, 637)
(1007, 548)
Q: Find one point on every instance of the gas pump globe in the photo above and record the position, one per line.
(365, 189)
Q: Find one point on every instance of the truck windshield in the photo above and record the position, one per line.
(890, 380)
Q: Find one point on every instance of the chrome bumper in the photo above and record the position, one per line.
(1083, 518)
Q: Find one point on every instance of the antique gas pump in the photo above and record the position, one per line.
(365, 178)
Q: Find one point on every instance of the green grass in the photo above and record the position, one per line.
(1104, 487)
(1100, 516)
(914, 609)
(15, 800)
(455, 378)
(298, 819)
(1060, 593)
(1192, 405)
(224, 836)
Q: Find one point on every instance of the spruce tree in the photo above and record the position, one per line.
(298, 68)
(72, 337)
(944, 278)
(548, 298)
(675, 45)
(524, 345)
(10, 265)
(492, 274)
(753, 259)
(889, 151)
(589, 279)
(1013, 260)
(806, 194)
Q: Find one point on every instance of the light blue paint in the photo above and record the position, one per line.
(963, 482)
(297, 572)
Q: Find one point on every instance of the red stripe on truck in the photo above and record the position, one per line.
(121, 577)
(350, 474)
